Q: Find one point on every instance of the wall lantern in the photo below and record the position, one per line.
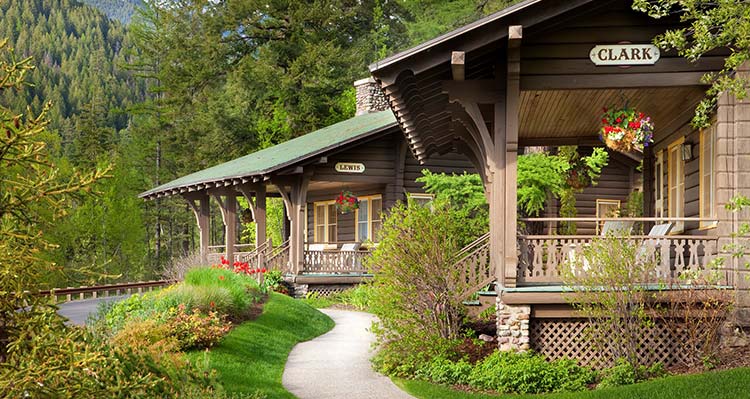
(687, 151)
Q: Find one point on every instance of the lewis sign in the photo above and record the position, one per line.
(624, 54)
(350, 167)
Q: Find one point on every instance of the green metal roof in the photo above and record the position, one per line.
(279, 156)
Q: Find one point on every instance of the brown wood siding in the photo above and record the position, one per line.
(614, 183)
(446, 163)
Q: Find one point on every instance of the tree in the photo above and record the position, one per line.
(713, 26)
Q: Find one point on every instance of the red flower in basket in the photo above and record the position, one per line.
(626, 130)
(346, 202)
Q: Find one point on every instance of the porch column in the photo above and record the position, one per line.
(228, 207)
(731, 165)
(201, 211)
(295, 200)
(257, 204)
(512, 107)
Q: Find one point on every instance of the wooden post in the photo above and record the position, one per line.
(228, 207)
(648, 187)
(201, 212)
(259, 214)
(295, 201)
(512, 109)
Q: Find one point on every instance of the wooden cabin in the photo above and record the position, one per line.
(366, 156)
(538, 74)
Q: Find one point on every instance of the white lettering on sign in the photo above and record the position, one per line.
(350, 167)
(624, 54)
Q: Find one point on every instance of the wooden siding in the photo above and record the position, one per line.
(380, 157)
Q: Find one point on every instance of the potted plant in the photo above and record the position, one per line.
(346, 202)
(626, 130)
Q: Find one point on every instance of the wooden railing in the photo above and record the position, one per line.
(103, 291)
(542, 258)
(473, 265)
(335, 261)
(278, 258)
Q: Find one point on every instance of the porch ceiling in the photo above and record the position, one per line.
(576, 113)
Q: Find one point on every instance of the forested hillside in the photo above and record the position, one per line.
(185, 87)
(121, 10)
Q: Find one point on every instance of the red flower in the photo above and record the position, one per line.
(221, 277)
(263, 270)
(618, 120)
(212, 304)
(604, 121)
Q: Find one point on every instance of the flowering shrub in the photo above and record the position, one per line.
(626, 130)
(346, 202)
(195, 329)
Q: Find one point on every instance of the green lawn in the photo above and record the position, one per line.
(730, 384)
(252, 357)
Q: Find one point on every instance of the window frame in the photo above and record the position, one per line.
(326, 225)
(659, 184)
(709, 191)
(369, 199)
(605, 201)
(422, 196)
(679, 203)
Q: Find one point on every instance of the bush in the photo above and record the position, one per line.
(443, 371)
(358, 297)
(243, 289)
(529, 373)
(416, 293)
(624, 373)
(274, 281)
(195, 329)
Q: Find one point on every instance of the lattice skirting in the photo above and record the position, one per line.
(558, 338)
(328, 289)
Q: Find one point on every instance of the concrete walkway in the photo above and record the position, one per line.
(337, 364)
(77, 312)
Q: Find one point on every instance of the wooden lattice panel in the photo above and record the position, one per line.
(566, 338)
(328, 290)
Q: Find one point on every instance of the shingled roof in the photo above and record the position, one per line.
(269, 160)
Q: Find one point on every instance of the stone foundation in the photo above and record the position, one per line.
(299, 290)
(513, 326)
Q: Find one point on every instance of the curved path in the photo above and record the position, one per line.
(337, 364)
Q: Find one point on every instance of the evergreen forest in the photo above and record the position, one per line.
(158, 89)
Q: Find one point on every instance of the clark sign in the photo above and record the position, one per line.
(624, 54)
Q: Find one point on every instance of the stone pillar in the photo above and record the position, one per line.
(513, 326)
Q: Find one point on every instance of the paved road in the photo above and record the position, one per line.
(337, 364)
(78, 311)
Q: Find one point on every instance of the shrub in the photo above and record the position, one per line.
(416, 293)
(529, 373)
(624, 373)
(610, 288)
(274, 281)
(195, 329)
(445, 371)
(358, 297)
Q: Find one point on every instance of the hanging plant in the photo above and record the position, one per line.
(346, 202)
(626, 130)
(578, 176)
(246, 215)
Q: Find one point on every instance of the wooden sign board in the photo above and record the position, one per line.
(624, 54)
(350, 167)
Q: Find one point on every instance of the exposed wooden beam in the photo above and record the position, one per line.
(458, 65)
(611, 81)
(476, 91)
(587, 141)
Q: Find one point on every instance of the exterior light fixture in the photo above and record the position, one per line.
(687, 151)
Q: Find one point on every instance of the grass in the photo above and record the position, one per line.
(251, 358)
(729, 384)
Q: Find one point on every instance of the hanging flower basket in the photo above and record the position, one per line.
(626, 130)
(346, 202)
(578, 176)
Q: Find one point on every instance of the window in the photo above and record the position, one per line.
(659, 185)
(676, 183)
(421, 199)
(325, 222)
(368, 221)
(606, 208)
(707, 183)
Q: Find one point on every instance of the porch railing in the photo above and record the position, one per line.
(241, 251)
(473, 265)
(277, 258)
(335, 261)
